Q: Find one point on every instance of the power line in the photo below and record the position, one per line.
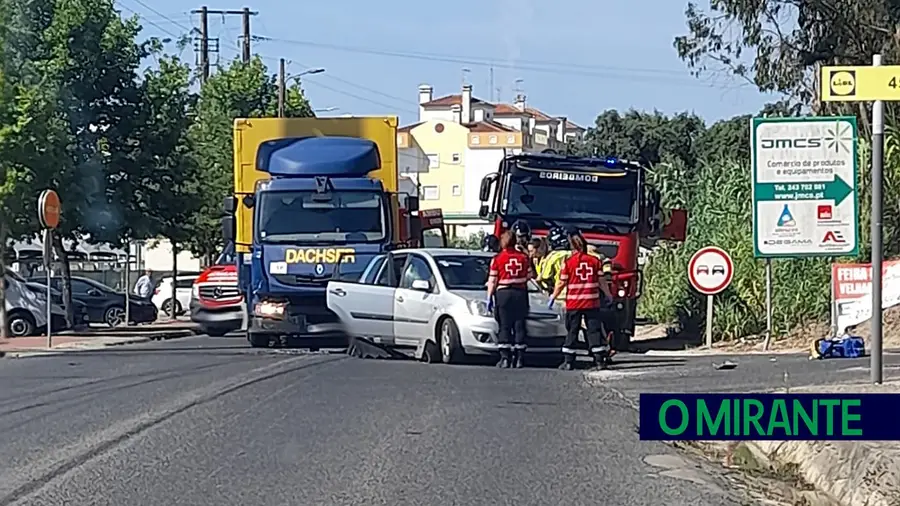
(599, 71)
(335, 78)
(141, 17)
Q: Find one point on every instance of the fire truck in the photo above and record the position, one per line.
(608, 199)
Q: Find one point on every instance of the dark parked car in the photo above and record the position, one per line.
(104, 304)
(79, 309)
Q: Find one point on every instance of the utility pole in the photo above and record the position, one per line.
(204, 44)
(282, 86)
(246, 17)
(204, 12)
(492, 84)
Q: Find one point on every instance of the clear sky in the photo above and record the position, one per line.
(571, 58)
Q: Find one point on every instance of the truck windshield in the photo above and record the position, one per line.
(305, 216)
(611, 200)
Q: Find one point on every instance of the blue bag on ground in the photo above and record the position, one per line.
(840, 347)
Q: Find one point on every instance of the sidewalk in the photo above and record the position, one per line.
(95, 338)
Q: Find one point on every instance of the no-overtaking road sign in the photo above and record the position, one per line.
(804, 186)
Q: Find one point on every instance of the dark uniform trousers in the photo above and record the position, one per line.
(594, 333)
(511, 314)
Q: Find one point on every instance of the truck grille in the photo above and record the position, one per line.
(220, 292)
(298, 280)
(313, 307)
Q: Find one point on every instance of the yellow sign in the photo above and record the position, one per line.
(320, 255)
(860, 84)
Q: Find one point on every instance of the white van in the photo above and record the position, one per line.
(26, 310)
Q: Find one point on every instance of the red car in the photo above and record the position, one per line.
(216, 301)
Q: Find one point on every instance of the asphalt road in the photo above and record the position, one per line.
(753, 373)
(204, 421)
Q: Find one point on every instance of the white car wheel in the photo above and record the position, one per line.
(451, 348)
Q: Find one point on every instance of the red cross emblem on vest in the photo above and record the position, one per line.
(584, 272)
(513, 267)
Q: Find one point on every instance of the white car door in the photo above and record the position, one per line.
(414, 307)
(364, 307)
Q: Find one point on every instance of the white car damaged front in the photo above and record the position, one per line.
(432, 302)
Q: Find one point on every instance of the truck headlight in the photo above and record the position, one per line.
(621, 292)
(479, 308)
(268, 309)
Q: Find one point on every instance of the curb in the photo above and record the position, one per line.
(156, 336)
(853, 473)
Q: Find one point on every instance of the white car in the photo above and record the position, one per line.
(162, 294)
(432, 300)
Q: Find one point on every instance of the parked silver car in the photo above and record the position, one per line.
(433, 301)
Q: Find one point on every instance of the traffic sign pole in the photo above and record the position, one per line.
(877, 215)
(875, 83)
(710, 271)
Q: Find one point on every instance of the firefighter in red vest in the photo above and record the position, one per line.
(508, 298)
(586, 293)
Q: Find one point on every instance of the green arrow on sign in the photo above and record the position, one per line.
(836, 190)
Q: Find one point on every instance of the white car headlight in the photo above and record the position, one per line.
(479, 308)
(267, 309)
(195, 292)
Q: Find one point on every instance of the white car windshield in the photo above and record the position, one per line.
(468, 272)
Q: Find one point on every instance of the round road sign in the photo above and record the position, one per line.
(710, 270)
(48, 209)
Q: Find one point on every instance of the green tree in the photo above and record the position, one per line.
(90, 57)
(238, 91)
(778, 46)
(648, 137)
(164, 185)
(25, 105)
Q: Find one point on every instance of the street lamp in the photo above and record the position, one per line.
(282, 83)
(306, 73)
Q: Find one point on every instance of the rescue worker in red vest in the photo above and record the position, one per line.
(507, 293)
(586, 293)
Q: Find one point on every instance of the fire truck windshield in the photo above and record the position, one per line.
(610, 200)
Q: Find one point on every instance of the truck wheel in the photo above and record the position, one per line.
(215, 331)
(451, 349)
(258, 340)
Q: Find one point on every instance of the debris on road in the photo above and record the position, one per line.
(725, 366)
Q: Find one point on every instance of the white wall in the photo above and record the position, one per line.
(157, 256)
(479, 163)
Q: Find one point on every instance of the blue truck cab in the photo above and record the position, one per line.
(317, 209)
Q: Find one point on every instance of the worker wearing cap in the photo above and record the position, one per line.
(587, 292)
(552, 263)
(490, 243)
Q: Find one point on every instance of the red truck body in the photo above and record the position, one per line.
(607, 199)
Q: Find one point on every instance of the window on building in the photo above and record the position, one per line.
(457, 190)
(455, 157)
(434, 161)
(430, 193)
